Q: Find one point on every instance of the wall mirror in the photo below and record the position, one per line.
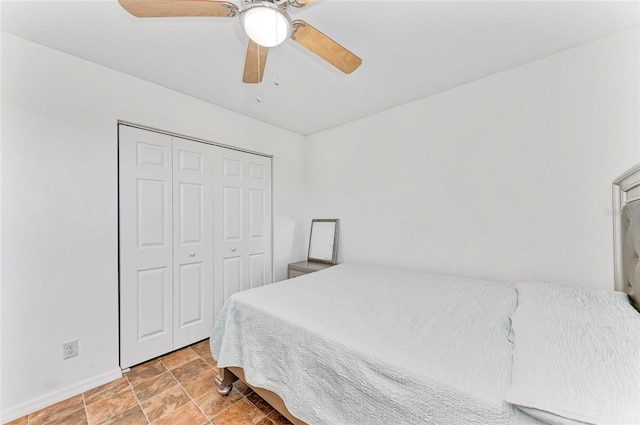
(323, 242)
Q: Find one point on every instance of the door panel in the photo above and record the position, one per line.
(152, 203)
(242, 223)
(232, 167)
(191, 204)
(191, 161)
(256, 213)
(150, 154)
(146, 260)
(152, 303)
(257, 276)
(257, 172)
(232, 213)
(232, 275)
(193, 236)
(191, 294)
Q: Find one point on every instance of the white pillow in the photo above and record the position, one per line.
(585, 305)
(568, 363)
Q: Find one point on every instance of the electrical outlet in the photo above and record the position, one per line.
(70, 349)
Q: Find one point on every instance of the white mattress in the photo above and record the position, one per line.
(359, 344)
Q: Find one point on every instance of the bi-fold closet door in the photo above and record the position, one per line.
(195, 227)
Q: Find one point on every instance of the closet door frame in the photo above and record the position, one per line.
(123, 123)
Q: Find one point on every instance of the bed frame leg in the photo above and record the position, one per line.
(225, 380)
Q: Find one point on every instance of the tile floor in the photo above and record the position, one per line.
(176, 389)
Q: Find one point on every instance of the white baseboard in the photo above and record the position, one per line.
(35, 404)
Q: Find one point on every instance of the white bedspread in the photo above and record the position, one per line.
(358, 344)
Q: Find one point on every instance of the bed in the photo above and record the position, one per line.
(365, 344)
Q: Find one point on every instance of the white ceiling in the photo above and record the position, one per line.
(410, 49)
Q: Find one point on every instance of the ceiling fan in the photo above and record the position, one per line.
(266, 22)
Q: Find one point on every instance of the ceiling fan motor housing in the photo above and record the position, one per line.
(266, 23)
(282, 4)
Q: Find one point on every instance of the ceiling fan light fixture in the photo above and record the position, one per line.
(266, 24)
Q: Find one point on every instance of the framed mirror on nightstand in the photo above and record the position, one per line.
(323, 248)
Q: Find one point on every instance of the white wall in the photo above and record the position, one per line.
(59, 210)
(507, 177)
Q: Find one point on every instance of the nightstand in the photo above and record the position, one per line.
(305, 267)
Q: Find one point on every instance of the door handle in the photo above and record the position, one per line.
(233, 249)
(193, 254)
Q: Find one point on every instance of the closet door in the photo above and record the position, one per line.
(146, 245)
(195, 227)
(193, 241)
(242, 223)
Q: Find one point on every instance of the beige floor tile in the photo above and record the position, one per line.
(213, 404)
(241, 413)
(188, 414)
(79, 417)
(178, 358)
(105, 391)
(141, 373)
(211, 361)
(203, 349)
(56, 411)
(165, 403)
(202, 384)
(154, 386)
(190, 370)
(106, 408)
(132, 416)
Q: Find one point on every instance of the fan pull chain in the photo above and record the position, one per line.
(258, 97)
(277, 80)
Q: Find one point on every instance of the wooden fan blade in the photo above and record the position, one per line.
(325, 47)
(254, 63)
(179, 8)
